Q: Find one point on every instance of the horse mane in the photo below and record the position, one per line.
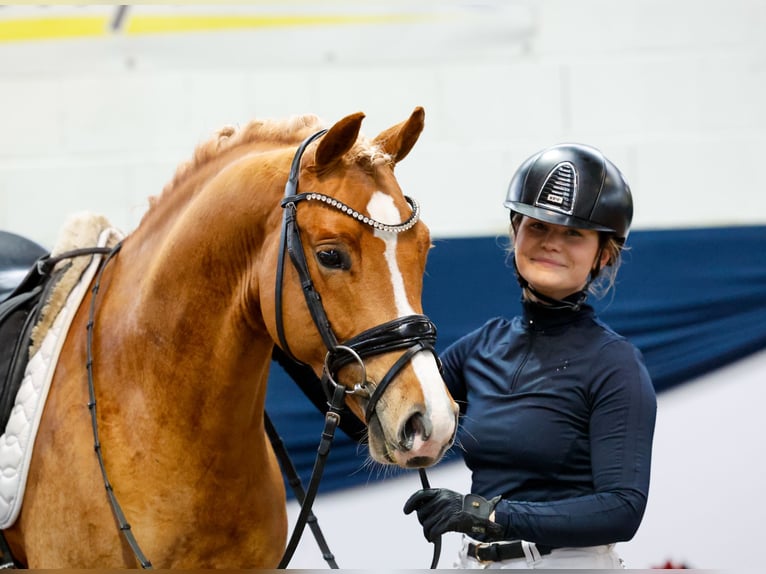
(286, 131)
(279, 131)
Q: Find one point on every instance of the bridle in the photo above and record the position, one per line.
(413, 333)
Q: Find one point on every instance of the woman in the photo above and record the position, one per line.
(558, 410)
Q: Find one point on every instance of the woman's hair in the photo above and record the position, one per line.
(605, 280)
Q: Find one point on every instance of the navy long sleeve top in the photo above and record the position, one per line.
(558, 415)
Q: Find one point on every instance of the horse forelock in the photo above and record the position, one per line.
(369, 154)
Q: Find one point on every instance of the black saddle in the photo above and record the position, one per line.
(24, 280)
(17, 255)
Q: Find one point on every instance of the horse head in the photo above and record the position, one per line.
(359, 252)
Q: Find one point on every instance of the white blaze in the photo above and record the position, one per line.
(381, 208)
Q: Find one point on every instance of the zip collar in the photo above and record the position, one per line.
(539, 317)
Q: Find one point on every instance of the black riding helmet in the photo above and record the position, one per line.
(576, 186)
(573, 185)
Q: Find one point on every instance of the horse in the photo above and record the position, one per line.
(164, 369)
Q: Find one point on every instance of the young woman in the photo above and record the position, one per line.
(558, 410)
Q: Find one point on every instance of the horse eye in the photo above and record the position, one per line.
(333, 259)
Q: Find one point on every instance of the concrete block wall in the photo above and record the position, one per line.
(671, 90)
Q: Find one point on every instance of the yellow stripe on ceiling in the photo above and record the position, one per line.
(53, 28)
(139, 24)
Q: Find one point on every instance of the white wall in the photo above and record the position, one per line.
(672, 90)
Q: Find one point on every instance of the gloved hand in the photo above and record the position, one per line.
(442, 510)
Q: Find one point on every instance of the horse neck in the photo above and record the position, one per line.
(188, 283)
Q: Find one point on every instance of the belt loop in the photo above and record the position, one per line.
(531, 552)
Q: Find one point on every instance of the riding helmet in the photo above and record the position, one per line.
(573, 185)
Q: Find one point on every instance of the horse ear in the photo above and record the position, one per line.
(338, 140)
(397, 141)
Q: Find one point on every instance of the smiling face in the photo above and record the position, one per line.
(554, 259)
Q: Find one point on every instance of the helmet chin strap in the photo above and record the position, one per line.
(573, 302)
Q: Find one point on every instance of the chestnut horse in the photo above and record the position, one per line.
(183, 323)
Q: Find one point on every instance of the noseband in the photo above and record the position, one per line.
(414, 333)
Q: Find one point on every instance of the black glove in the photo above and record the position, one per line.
(441, 510)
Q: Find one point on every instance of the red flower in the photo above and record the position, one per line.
(670, 565)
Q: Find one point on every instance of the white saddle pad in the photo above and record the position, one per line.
(17, 443)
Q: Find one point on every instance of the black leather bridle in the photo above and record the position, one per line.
(413, 333)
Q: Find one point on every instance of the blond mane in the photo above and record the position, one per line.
(286, 131)
(280, 131)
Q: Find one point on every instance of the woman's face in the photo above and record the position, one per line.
(554, 259)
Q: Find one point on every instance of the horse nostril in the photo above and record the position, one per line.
(415, 425)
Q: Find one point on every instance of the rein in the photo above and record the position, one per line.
(414, 333)
(116, 508)
(44, 266)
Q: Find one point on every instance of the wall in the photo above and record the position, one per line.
(671, 90)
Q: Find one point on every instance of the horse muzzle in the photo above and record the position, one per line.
(402, 431)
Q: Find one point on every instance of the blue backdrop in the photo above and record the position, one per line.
(692, 300)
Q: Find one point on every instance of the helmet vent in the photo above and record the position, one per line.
(559, 190)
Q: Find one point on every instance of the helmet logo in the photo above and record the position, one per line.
(559, 191)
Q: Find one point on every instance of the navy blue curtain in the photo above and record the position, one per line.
(692, 300)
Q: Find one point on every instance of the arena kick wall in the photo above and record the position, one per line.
(99, 104)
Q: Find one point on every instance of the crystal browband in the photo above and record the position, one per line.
(398, 228)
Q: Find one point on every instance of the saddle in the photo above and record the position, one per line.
(25, 279)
